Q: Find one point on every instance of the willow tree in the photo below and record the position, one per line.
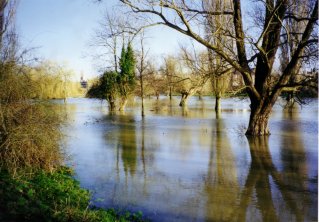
(126, 77)
(256, 48)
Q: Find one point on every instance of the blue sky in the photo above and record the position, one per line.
(61, 31)
(60, 28)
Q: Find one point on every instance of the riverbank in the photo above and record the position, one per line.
(54, 196)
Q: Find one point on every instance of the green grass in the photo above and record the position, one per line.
(50, 197)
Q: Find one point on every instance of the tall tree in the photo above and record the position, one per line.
(259, 47)
(218, 28)
(290, 40)
(126, 77)
(144, 69)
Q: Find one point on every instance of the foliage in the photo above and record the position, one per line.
(108, 85)
(105, 88)
(50, 197)
(111, 83)
(126, 78)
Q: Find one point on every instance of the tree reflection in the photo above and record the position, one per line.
(261, 168)
(221, 184)
(293, 156)
(262, 171)
(292, 151)
(127, 143)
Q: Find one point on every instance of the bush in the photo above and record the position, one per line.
(29, 129)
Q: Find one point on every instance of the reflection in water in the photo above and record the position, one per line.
(127, 143)
(197, 167)
(261, 174)
(221, 184)
(261, 168)
(293, 156)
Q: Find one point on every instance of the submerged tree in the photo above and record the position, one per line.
(170, 71)
(144, 70)
(219, 31)
(197, 76)
(105, 88)
(126, 77)
(257, 47)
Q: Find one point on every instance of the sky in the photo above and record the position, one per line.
(60, 31)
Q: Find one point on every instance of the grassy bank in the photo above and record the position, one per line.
(55, 196)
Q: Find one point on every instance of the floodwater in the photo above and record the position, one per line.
(190, 165)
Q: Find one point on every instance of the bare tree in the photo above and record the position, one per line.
(290, 40)
(259, 47)
(170, 71)
(143, 68)
(197, 73)
(218, 30)
(108, 38)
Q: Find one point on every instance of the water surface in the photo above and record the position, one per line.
(190, 165)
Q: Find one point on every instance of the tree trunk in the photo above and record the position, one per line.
(258, 121)
(111, 106)
(290, 101)
(111, 102)
(184, 99)
(143, 114)
(217, 103)
(123, 104)
(170, 93)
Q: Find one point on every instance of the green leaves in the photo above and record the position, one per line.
(126, 78)
(112, 84)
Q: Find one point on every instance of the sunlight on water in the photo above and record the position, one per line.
(191, 165)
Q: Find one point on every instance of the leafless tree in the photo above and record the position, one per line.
(170, 71)
(108, 40)
(219, 31)
(290, 39)
(197, 74)
(260, 46)
(144, 68)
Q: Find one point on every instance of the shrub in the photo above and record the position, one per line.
(29, 129)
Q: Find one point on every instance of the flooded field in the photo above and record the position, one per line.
(187, 164)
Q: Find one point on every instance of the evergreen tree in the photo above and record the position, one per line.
(126, 78)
